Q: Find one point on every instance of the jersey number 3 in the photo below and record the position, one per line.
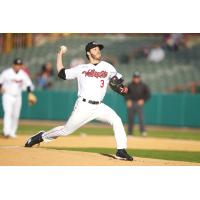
(101, 83)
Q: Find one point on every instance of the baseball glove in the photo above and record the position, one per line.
(116, 84)
(32, 99)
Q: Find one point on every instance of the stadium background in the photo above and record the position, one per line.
(173, 79)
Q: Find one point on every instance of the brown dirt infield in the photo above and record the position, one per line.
(12, 152)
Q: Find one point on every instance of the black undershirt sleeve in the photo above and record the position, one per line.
(61, 74)
(28, 89)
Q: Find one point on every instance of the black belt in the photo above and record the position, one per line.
(91, 102)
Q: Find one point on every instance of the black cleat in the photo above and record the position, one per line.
(35, 139)
(123, 155)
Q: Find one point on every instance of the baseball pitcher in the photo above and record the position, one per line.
(12, 82)
(93, 79)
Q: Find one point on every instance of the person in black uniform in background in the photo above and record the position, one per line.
(138, 94)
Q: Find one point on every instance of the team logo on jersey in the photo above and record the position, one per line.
(93, 73)
(19, 82)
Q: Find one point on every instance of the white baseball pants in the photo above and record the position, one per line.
(85, 112)
(11, 108)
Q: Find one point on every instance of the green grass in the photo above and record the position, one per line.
(157, 154)
(175, 134)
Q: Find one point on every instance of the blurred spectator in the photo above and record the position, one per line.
(44, 79)
(174, 41)
(156, 54)
(76, 61)
(138, 94)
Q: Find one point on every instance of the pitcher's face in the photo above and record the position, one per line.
(95, 53)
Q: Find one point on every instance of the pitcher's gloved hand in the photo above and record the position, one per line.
(116, 84)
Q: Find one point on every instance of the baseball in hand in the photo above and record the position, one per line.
(63, 49)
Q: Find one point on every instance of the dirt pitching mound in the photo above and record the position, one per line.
(20, 156)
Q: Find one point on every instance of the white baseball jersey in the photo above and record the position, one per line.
(14, 83)
(92, 79)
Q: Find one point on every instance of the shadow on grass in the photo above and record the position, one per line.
(107, 155)
(186, 156)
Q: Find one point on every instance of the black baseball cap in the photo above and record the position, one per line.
(92, 45)
(136, 74)
(18, 61)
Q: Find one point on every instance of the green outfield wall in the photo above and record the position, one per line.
(181, 110)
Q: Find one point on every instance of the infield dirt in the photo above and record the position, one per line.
(14, 154)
